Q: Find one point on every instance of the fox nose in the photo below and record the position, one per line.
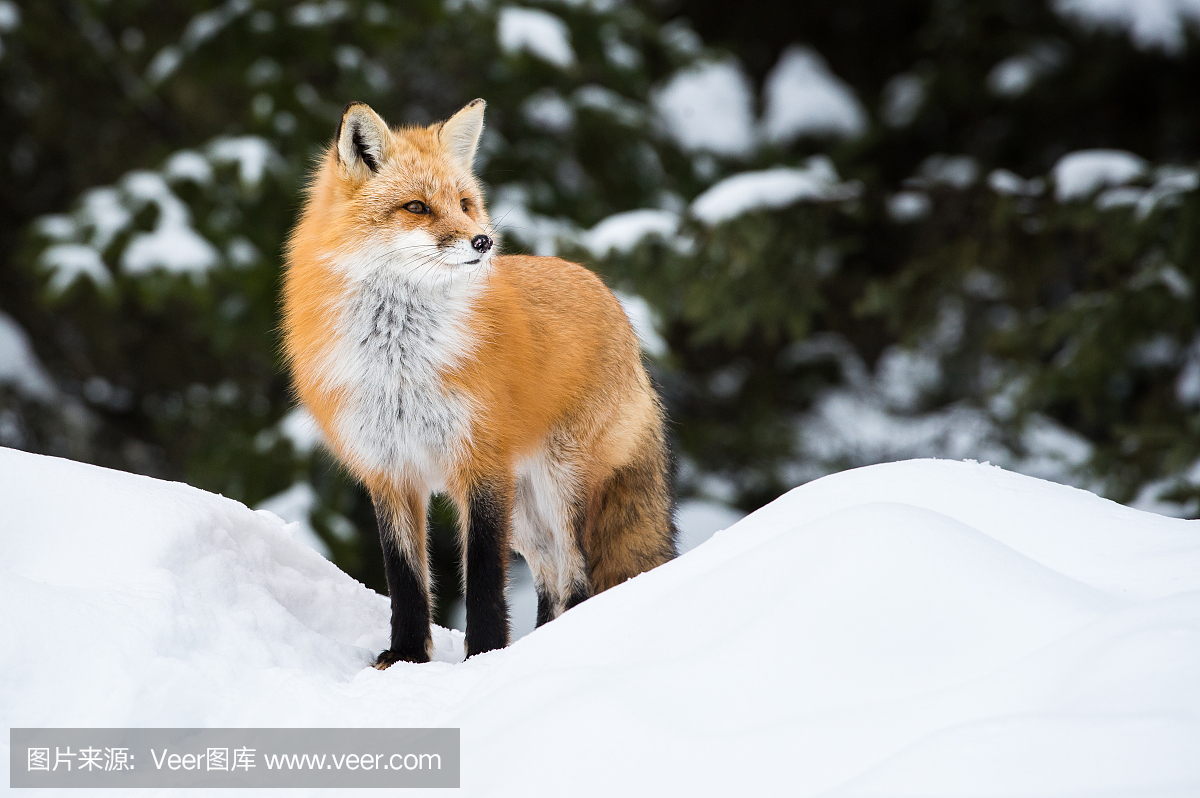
(481, 243)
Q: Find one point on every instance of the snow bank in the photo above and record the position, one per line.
(921, 628)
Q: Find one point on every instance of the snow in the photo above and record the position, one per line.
(293, 507)
(208, 24)
(881, 414)
(103, 212)
(700, 519)
(299, 427)
(619, 53)
(252, 154)
(679, 37)
(1078, 174)
(1187, 384)
(803, 97)
(173, 244)
(536, 32)
(1016, 74)
(957, 171)
(708, 108)
(10, 16)
(1170, 182)
(622, 232)
(1168, 276)
(846, 427)
(643, 319)
(908, 206)
(19, 364)
(164, 64)
(903, 96)
(549, 111)
(241, 252)
(1153, 495)
(927, 628)
(1152, 24)
(512, 216)
(598, 98)
(68, 262)
(188, 165)
(1002, 181)
(1013, 76)
(772, 188)
(311, 15)
(55, 226)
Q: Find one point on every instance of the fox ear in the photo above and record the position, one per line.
(362, 140)
(460, 133)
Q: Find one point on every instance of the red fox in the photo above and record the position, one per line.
(513, 384)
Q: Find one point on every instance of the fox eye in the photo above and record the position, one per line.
(416, 206)
(466, 205)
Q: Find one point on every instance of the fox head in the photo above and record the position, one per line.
(406, 199)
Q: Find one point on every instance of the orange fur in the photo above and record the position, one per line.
(551, 369)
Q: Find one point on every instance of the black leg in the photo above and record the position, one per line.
(411, 641)
(486, 560)
(579, 595)
(545, 607)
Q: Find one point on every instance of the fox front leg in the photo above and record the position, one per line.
(402, 535)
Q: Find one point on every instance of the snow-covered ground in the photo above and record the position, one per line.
(927, 628)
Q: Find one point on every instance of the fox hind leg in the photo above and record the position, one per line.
(488, 521)
(547, 516)
(630, 526)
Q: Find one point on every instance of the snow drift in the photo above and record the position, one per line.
(920, 628)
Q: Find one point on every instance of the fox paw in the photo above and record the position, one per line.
(390, 657)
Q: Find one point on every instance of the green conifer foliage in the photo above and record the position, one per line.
(906, 267)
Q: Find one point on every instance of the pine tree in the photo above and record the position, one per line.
(851, 232)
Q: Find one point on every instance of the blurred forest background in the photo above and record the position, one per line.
(849, 231)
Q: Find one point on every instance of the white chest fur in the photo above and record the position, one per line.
(395, 340)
